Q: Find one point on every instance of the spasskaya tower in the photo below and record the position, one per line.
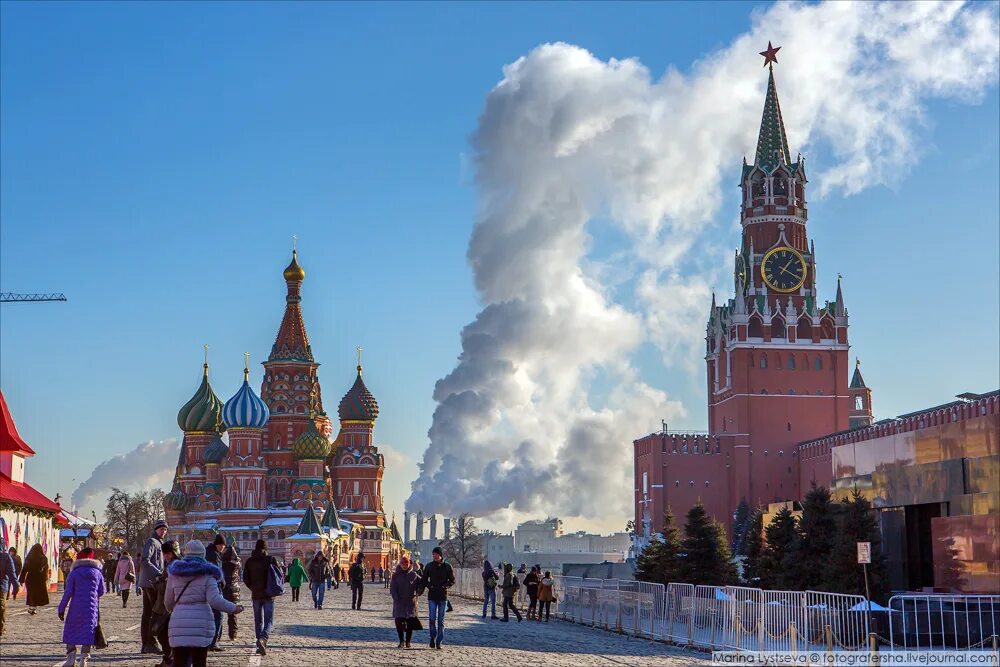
(777, 362)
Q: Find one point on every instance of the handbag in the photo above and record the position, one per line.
(129, 577)
(100, 641)
(413, 623)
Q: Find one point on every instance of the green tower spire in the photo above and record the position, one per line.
(772, 143)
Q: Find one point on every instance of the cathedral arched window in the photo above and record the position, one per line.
(301, 409)
(270, 534)
(283, 489)
(281, 534)
(826, 328)
(818, 363)
(763, 361)
(791, 362)
(763, 392)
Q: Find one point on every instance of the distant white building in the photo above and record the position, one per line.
(546, 535)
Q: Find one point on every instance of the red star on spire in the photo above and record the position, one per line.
(770, 55)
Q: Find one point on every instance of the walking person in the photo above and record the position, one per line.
(256, 572)
(191, 595)
(531, 581)
(356, 576)
(82, 592)
(124, 576)
(404, 588)
(509, 588)
(109, 570)
(35, 577)
(489, 589)
(335, 579)
(546, 595)
(231, 584)
(319, 574)
(17, 570)
(438, 578)
(296, 575)
(151, 565)
(8, 581)
(161, 617)
(214, 556)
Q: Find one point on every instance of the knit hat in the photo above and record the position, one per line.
(219, 539)
(438, 551)
(194, 548)
(160, 524)
(172, 547)
(86, 552)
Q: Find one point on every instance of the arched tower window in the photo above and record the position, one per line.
(805, 330)
(756, 329)
(818, 363)
(791, 362)
(777, 328)
(763, 361)
(859, 403)
(826, 328)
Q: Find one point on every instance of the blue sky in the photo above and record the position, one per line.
(156, 159)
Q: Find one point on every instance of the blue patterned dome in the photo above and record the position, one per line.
(245, 409)
(216, 451)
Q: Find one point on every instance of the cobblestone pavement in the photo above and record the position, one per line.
(336, 635)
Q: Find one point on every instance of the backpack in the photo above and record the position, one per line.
(275, 582)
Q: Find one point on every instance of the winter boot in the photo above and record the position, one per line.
(70, 658)
(85, 660)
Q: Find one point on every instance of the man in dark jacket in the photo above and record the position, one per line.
(255, 573)
(531, 581)
(356, 575)
(231, 583)
(152, 566)
(319, 573)
(438, 578)
(214, 556)
(171, 552)
(110, 566)
(17, 570)
(8, 581)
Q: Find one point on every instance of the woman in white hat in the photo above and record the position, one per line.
(191, 595)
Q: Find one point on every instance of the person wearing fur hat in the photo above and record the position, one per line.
(214, 556)
(231, 583)
(82, 593)
(192, 593)
(161, 617)
(404, 588)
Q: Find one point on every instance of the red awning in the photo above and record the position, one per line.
(17, 493)
(10, 439)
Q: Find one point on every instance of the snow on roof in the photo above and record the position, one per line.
(280, 521)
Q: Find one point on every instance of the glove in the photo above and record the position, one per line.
(62, 616)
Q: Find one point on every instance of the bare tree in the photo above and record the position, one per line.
(131, 516)
(464, 548)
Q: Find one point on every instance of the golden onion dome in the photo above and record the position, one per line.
(293, 271)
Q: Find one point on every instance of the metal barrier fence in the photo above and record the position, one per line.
(751, 619)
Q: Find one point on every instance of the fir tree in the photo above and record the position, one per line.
(844, 574)
(779, 538)
(752, 548)
(659, 561)
(707, 559)
(816, 536)
(741, 519)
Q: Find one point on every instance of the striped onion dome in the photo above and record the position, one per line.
(204, 411)
(245, 409)
(216, 451)
(311, 444)
(358, 404)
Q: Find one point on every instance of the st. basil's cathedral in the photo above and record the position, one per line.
(281, 477)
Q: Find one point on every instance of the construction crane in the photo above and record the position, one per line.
(11, 297)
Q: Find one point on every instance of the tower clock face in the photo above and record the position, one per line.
(740, 271)
(783, 269)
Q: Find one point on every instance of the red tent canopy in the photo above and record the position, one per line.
(10, 439)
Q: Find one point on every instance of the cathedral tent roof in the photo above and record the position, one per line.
(331, 520)
(772, 143)
(309, 524)
(358, 403)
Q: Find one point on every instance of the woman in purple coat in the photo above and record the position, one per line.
(84, 588)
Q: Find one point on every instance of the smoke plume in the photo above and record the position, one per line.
(150, 465)
(540, 411)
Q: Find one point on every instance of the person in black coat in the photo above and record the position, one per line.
(17, 570)
(356, 575)
(438, 578)
(255, 574)
(231, 583)
(214, 556)
(531, 581)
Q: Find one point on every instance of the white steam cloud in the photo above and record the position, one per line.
(150, 465)
(540, 411)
